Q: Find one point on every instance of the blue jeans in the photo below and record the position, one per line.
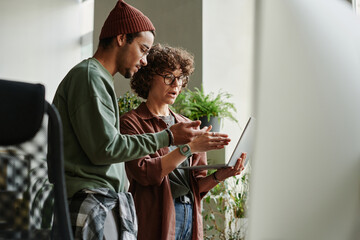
(183, 228)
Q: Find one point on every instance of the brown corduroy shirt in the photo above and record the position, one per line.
(152, 194)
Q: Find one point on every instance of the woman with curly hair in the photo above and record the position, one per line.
(168, 199)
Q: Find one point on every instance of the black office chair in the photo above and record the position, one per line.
(33, 202)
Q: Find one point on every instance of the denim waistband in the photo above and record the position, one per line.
(184, 199)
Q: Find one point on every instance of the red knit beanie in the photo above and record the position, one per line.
(124, 19)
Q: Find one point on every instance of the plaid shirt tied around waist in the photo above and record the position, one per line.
(89, 208)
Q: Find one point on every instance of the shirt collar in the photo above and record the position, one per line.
(144, 112)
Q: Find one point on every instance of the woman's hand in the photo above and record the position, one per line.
(224, 173)
(209, 141)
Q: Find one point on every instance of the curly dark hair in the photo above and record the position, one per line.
(161, 58)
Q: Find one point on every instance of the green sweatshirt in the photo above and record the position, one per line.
(94, 149)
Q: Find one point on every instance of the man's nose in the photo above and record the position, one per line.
(143, 61)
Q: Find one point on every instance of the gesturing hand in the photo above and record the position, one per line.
(186, 132)
(209, 141)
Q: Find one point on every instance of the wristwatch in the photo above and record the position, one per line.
(185, 150)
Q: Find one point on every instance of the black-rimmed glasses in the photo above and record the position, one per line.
(170, 78)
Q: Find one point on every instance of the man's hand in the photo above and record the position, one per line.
(185, 132)
(209, 141)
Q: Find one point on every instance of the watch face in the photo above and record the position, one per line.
(185, 149)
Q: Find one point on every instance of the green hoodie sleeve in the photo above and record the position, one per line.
(102, 141)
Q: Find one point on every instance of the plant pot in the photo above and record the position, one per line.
(214, 121)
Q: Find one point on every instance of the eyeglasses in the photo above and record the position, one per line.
(144, 49)
(170, 78)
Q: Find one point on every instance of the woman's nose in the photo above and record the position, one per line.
(176, 81)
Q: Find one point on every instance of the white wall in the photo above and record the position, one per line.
(40, 40)
(305, 180)
(228, 56)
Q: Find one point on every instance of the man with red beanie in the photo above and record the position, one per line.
(94, 149)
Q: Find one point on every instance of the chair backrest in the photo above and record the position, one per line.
(32, 186)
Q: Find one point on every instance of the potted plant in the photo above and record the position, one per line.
(127, 102)
(225, 208)
(209, 108)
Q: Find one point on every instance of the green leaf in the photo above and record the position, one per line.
(128, 102)
(196, 104)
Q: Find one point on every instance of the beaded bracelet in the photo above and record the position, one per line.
(171, 136)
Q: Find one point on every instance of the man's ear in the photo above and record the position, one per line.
(121, 39)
